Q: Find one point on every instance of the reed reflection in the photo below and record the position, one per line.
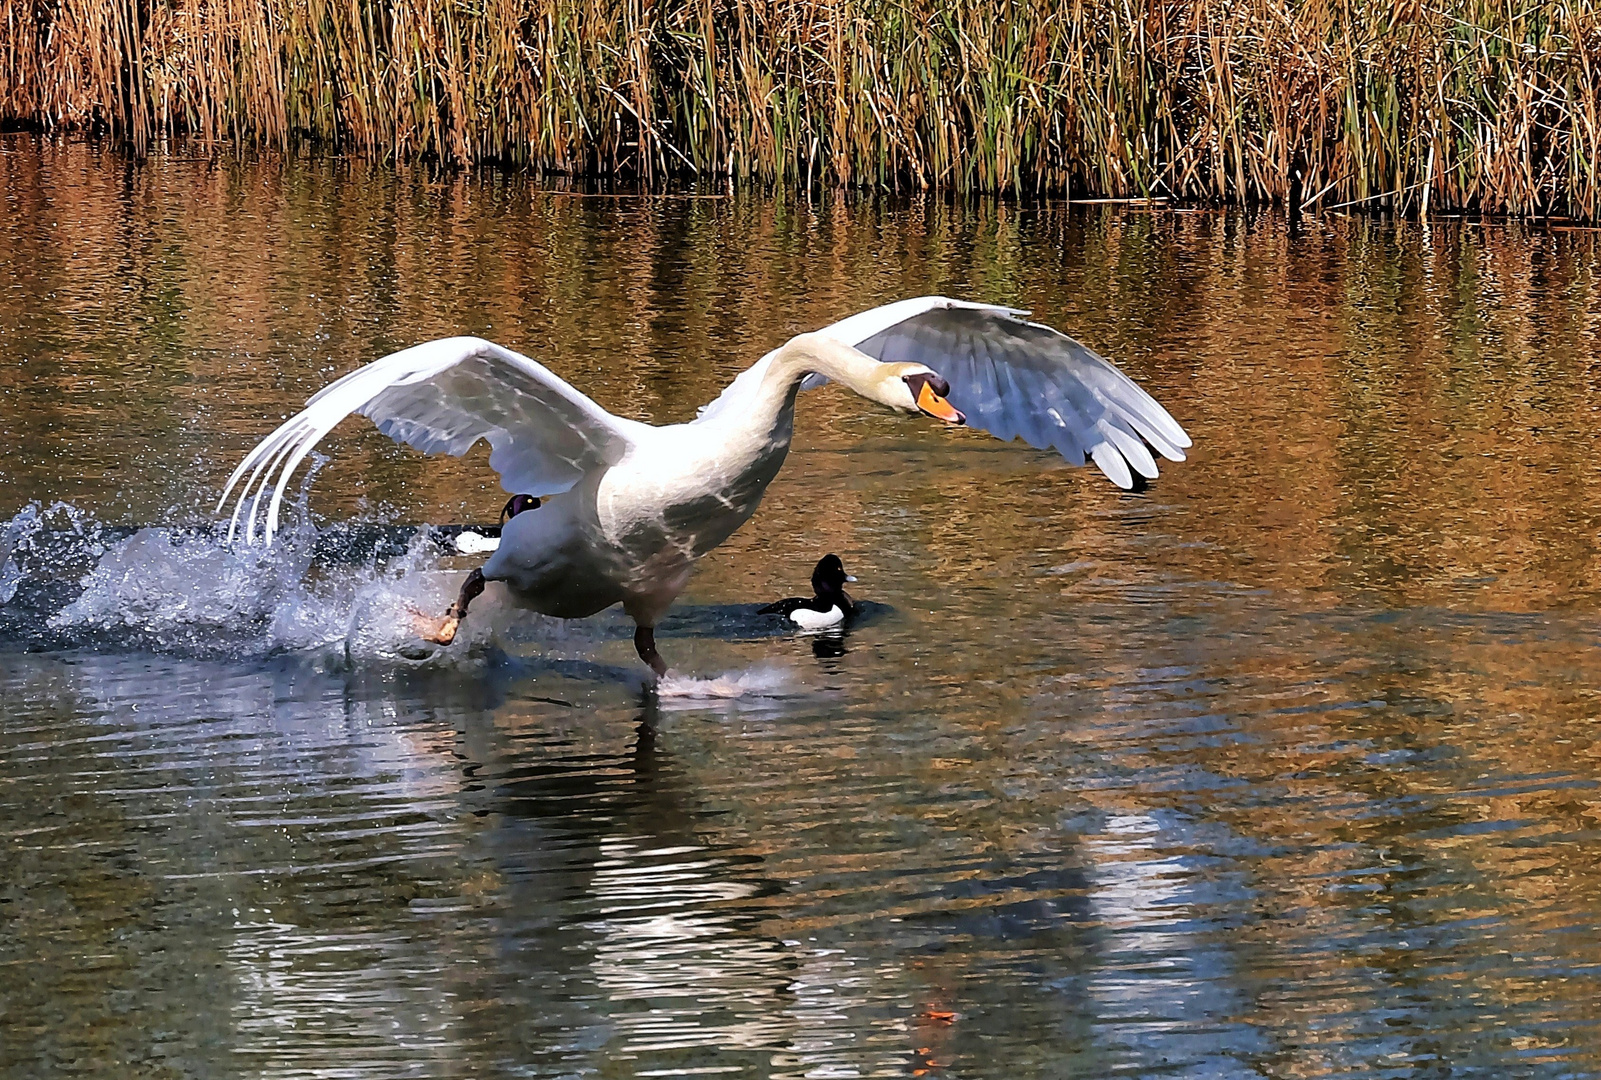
(1285, 766)
(1419, 389)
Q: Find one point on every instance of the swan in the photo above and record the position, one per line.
(618, 512)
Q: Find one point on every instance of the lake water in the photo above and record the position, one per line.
(1287, 767)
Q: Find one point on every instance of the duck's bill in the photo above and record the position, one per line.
(937, 407)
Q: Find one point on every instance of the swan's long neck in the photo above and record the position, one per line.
(713, 472)
(742, 444)
(773, 405)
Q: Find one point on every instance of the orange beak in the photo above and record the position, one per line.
(938, 407)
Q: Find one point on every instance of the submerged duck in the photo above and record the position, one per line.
(829, 606)
(629, 508)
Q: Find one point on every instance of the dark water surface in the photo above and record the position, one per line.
(1288, 767)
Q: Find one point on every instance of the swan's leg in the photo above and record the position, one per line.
(446, 631)
(458, 611)
(645, 646)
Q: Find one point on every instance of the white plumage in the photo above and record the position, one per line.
(630, 507)
(468, 542)
(807, 619)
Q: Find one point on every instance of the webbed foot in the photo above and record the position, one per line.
(444, 631)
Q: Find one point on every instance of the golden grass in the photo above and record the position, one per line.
(1409, 105)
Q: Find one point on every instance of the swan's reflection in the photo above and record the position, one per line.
(397, 873)
(666, 939)
(653, 942)
(233, 845)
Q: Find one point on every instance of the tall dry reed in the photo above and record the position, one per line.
(1399, 103)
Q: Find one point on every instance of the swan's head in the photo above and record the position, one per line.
(915, 388)
(907, 387)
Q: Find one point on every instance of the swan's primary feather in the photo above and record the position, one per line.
(442, 397)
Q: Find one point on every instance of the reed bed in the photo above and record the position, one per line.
(1411, 105)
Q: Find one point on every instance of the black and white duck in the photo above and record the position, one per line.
(828, 608)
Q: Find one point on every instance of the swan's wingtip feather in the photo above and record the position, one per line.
(1110, 461)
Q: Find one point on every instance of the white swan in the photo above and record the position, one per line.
(630, 507)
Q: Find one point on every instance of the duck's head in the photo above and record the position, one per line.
(517, 504)
(829, 576)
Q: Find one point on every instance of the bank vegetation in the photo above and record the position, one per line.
(1486, 105)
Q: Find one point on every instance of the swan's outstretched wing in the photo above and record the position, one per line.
(442, 397)
(1021, 379)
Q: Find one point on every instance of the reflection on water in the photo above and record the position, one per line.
(1287, 767)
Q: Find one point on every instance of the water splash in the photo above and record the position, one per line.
(43, 543)
(22, 525)
(348, 595)
(341, 596)
(765, 682)
(176, 585)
